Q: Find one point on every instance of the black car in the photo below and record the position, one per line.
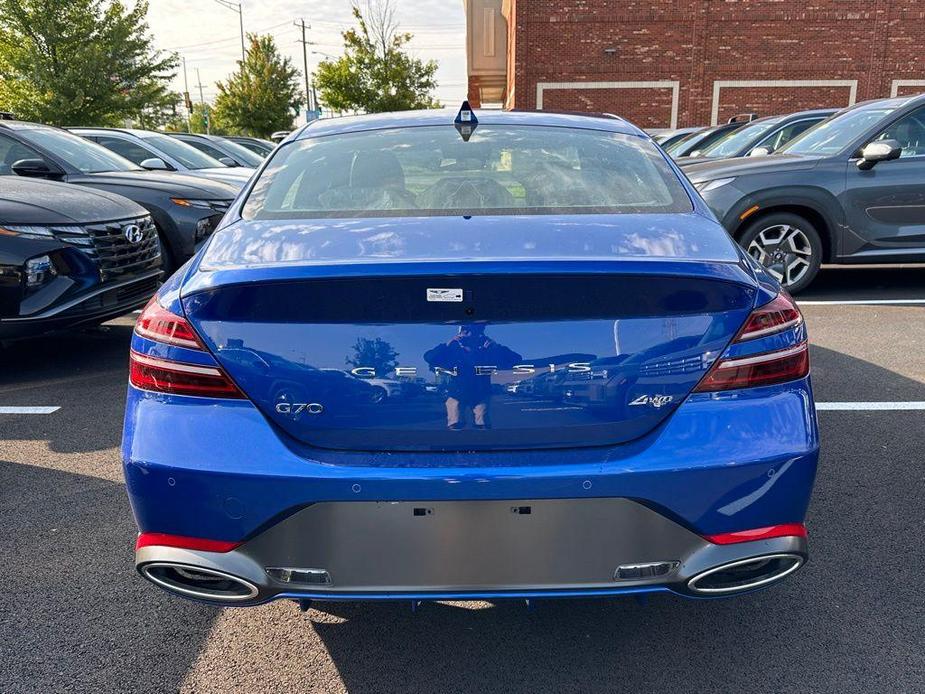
(71, 255)
(226, 151)
(696, 141)
(760, 137)
(850, 190)
(256, 145)
(185, 209)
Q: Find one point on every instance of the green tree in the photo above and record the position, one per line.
(377, 354)
(263, 95)
(160, 115)
(80, 62)
(375, 73)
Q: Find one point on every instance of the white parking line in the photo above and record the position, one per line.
(29, 410)
(861, 302)
(842, 406)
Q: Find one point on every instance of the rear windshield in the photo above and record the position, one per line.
(431, 170)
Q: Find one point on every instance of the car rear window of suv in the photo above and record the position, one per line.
(433, 171)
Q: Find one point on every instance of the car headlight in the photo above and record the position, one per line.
(214, 205)
(706, 186)
(204, 227)
(33, 231)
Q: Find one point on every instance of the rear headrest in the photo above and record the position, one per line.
(376, 169)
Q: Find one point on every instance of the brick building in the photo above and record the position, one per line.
(664, 63)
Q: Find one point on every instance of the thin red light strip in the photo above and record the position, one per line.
(779, 314)
(175, 378)
(772, 531)
(158, 324)
(183, 542)
(764, 369)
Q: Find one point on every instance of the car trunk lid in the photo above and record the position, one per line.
(419, 351)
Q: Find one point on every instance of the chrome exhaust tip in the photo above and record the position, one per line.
(198, 581)
(745, 574)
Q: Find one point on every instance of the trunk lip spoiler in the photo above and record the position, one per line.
(198, 281)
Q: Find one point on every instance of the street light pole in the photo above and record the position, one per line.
(236, 7)
(329, 57)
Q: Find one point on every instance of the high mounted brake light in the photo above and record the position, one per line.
(766, 368)
(161, 375)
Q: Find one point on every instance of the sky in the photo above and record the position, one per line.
(208, 36)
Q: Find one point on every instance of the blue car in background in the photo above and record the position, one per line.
(611, 396)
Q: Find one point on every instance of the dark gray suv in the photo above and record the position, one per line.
(850, 190)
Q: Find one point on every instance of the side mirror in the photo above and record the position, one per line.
(760, 152)
(35, 168)
(695, 153)
(155, 164)
(881, 150)
(228, 161)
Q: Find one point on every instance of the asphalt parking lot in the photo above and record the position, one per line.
(77, 618)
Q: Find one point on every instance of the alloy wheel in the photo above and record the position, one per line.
(784, 250)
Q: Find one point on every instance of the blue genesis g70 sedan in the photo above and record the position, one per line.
(484, 354)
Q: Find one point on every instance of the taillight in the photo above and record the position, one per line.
(177, 378)
(765, 368)
(162, 375)
(158, 324)
(774, 317)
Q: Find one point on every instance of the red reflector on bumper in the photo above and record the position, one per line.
(785, 530)
(198, 543)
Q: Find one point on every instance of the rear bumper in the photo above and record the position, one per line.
(467, 549)
(722, 463)
(93, 307)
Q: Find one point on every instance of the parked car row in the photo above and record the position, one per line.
(819, 199)
(92, 218)
(848, 189)
(795, 191)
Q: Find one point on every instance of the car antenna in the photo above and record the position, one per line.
(466, 122)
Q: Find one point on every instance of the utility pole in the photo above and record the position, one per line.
(205, 109)
(187, 102)
(309, 106)
(236, 7)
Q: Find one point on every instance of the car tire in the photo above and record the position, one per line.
(167, 264)
(787, 245)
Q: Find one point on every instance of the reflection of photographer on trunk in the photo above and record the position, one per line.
(471, 356)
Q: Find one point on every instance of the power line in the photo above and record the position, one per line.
(402, 25)
(236, 37)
